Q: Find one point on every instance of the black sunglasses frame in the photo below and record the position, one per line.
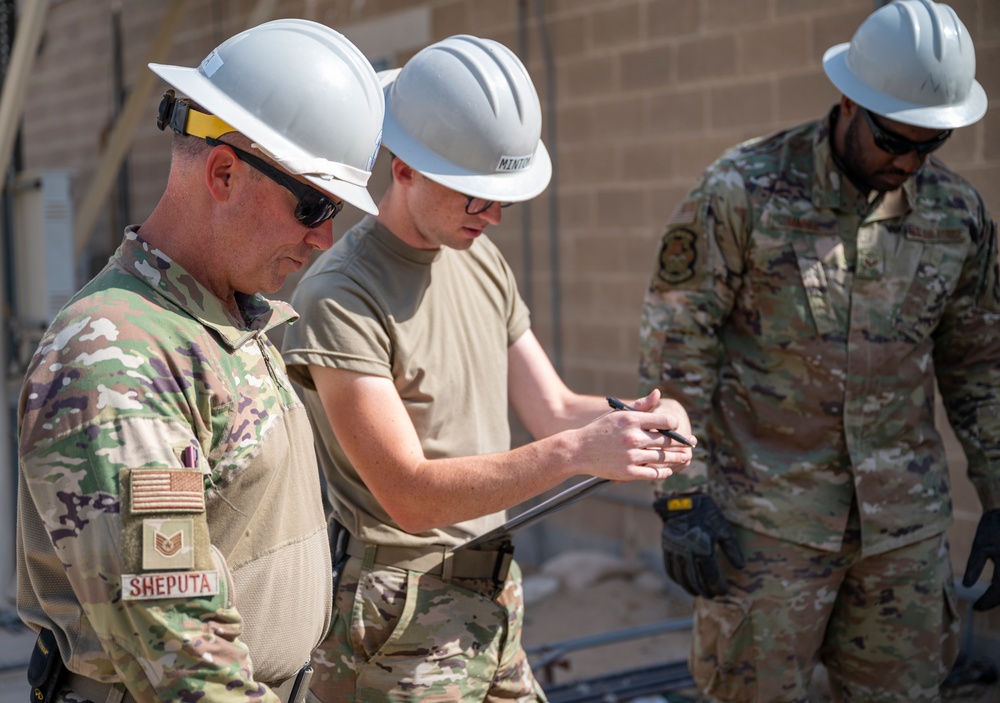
(894, 144)
(313, 207)
(469, 199)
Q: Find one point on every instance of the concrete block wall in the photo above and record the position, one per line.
(646, 94)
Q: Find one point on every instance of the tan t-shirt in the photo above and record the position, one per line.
(439, 324)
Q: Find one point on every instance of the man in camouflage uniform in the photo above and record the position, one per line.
(171, 538)
(412, 332)
(810, 290)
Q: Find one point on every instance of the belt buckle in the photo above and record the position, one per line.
(447, 564)
(501, 567)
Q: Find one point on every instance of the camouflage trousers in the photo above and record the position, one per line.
(885, 626)
(402, 636)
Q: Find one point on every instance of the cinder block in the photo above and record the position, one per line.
(647, 160)
(989, 30)
(696, 154)
(742, 105)
(990, 128)
(589, 164)
(678, 111)
(620, 117)
(987, 73)
(620, 207)
(652, 67)
(576, 124)
(784, 8)
(702, 59)
(568, 36)
(616, 26)
(777, 48)
(726, 13)
(803, 97)
(450, 19)
(673, 18)
(588, 76)
(486, 14)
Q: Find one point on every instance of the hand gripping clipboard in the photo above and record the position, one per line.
(556, 502)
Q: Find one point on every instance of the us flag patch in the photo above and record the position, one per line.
(167, 492)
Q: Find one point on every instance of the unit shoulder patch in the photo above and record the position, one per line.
(678, 256)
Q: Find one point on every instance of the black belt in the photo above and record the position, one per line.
(440, 560)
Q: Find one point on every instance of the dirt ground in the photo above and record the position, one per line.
(585, 597)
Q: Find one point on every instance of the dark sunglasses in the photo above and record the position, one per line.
(474, 206)
(896, 145)
(313, 209)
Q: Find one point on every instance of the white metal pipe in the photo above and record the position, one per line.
(8, 467)
(15, 85)
(128, 120)
(124, 129)
(30, 23)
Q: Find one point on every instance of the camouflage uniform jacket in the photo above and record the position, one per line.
(802, 324)
(179, 583)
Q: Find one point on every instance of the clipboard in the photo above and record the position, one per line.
(556, 502)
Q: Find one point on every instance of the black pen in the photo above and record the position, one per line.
(618, 405)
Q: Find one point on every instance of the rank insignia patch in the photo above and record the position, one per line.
(167, 492)
(678, 256)
(168, 544)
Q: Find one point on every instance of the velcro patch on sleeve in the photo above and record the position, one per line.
(683, 213)
(167, 544)
(164, 524)
(170, 584)
(678, 256)
(167, 491)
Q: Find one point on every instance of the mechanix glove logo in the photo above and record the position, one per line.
(692, 524)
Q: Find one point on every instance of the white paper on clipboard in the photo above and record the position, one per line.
(556, 502)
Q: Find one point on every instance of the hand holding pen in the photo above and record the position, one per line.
(676, 436)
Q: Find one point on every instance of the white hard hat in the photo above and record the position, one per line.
(913, 62)
(464, 113)
(303, 93)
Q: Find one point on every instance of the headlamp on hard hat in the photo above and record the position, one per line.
(182, 118)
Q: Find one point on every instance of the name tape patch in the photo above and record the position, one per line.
(514, 163)
(167, 491)
(171, 584)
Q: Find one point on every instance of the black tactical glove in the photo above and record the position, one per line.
(985, 545)
(692, 524)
